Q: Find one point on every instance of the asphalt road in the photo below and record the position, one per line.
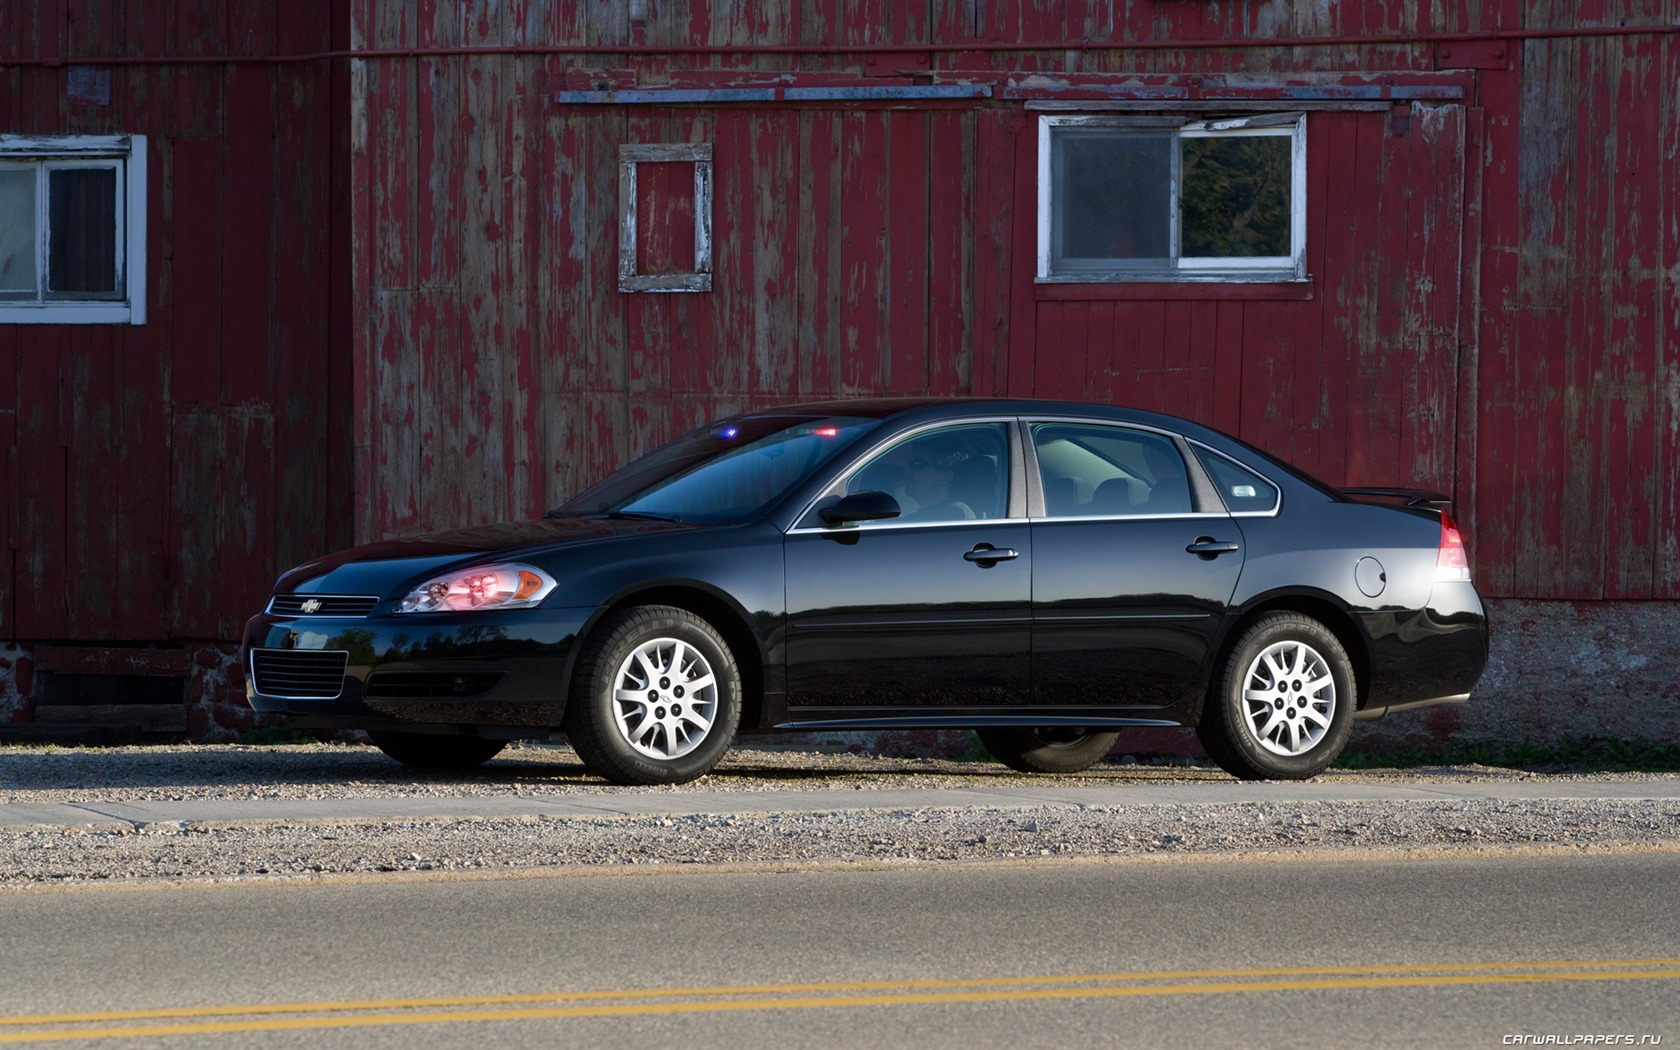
(1353, 952)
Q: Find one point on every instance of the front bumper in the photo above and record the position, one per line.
(508, 668)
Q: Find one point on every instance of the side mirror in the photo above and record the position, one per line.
(868, 505)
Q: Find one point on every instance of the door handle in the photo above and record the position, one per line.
(987, 555)
(1207, 548)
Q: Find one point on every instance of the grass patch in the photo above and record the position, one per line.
(1581, 756)
(282, 732)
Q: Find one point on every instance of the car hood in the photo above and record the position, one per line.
(373, 568)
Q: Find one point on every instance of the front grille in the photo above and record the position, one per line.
(322, 604)
(304, 674)
(421, 685)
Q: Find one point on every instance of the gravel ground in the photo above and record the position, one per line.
(115, 851)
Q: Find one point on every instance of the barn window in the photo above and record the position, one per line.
(1140, 198)
(72, 229)
(665, 218)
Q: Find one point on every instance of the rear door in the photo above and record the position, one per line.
(1133, 570)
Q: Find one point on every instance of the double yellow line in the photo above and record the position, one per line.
(128, 1024)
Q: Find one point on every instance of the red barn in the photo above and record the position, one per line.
(275, 278)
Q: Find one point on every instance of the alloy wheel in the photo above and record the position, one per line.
(665, 698)
(1289, 698)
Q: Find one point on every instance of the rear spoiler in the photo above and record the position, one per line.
(1409, 497)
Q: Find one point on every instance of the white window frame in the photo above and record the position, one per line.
(128, 154)
(1282, 268)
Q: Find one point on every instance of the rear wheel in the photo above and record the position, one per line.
(1284, 705)
(657, 698)
(436, 750)
(1046, 750)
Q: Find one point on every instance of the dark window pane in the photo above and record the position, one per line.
(1113, 198)
(1236, 196)
(82, 217)
(17, 231)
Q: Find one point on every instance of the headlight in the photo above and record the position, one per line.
(480, 588)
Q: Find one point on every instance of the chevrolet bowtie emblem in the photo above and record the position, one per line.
(312, 606)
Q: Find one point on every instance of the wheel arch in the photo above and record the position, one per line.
(727, 617)
(1322, 608)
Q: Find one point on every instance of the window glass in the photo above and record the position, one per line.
(1243, 491)
(1236, 196)
(1089, 470)
(957, 473)
(82, 249)
(17, 230)
(726, 472)
(1113, 198)
(1124, 198)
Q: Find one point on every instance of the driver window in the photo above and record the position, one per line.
(957, 473)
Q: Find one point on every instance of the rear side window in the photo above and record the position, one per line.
(1092, 470)
(1243, 491)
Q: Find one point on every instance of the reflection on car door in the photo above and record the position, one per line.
(931, 610)
(1124, 612)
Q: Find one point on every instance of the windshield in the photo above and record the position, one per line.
(725, 472)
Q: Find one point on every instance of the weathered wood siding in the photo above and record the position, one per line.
(154, 476)
(1493, 308)
(383, 291)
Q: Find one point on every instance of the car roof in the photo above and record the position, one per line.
(927, 408)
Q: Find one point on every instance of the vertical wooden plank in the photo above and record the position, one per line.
(395, 406)
(1546, 203)
(952, 259)
(11, 484)
(195, 231)
(1022, 209)
(305, 352)
(722, 361)
(996, 231)
(1495, 523)
(818, 237)
(200, 28)
(41, 465)
(774, 375)
(1228, 368)
(91, 436)
(522, 126)
(863, 337)
(484, 393)
(1090, 360)
(906, 219)
(248, 313)
(1665, 421)
(1336, 144)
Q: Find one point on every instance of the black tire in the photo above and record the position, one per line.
(661, 732)
(1300, 699)
(436, 750)
(1047, 750)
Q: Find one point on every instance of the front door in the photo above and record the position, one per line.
(930, 610)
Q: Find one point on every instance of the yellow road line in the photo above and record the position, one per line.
(353, 1014)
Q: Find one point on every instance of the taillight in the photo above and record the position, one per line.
(1451, 561)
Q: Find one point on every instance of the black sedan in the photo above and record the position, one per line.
(1044, 573)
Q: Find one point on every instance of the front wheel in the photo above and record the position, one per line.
(1284, 705)
(436, 750)
(656, 700)
(1046, 750)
